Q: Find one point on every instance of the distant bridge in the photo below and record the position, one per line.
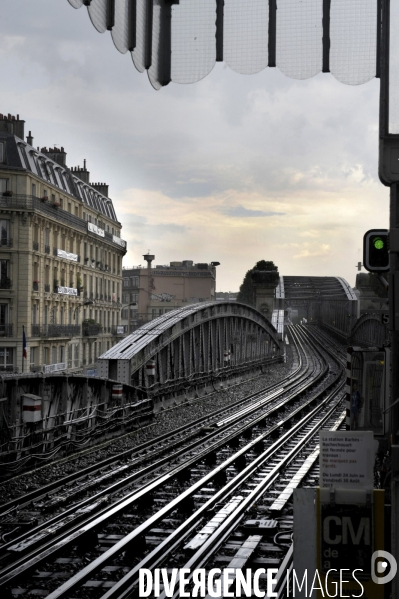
(192, 346)
(329, 301)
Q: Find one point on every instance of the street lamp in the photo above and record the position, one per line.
(86, 302)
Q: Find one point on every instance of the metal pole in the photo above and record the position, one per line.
(394, 315)
(23, 335)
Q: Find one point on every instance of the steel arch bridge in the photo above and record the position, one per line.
(327, 301)
(191, 346)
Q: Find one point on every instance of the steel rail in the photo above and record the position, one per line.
(34, 495)
(231, 486)
(137, 475)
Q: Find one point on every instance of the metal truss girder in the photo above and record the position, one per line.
(199, 335)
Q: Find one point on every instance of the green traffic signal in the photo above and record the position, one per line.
(375, 250)
(378, 243)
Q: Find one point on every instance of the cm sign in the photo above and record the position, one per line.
(346, 537)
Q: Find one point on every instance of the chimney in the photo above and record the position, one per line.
(101, 188)
(12, 125)
(29, 139)
(56, 154)
(82, 173)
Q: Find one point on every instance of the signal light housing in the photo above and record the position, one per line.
(375, 250)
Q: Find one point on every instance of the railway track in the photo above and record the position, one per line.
(113, 528)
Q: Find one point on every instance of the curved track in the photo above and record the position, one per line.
(244, 452)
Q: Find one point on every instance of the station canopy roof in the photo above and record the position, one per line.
(181, 40)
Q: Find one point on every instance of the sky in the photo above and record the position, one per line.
(233, 168)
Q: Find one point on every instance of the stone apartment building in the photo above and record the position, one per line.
(157, 290)
(60, 259)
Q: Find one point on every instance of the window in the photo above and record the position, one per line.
(45, 170)
(6, 358)
(5, 282)
(61, 178)
(24, 157)
(2, 152)
(3, 314)
(46, 317)
(34, 314)
(34, 190)
(52, 173)
(46, 355)
(126, 282)
(4, 185)
(133, 297)
(134, 281)
(62, 353)
(33, 354)
(38, 169)
(124, 313)
(54, 355)
(125, 298)
(4, 231)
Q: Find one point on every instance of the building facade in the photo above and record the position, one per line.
(60, 259)
(160, 289)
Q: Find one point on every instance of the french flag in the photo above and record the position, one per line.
(25, 354)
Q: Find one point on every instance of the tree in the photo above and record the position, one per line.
(246, 293)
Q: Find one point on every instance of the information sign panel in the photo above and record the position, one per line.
(346, 459)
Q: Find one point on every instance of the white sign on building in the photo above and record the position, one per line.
(67, 255)
(94, 229)
(67, 290)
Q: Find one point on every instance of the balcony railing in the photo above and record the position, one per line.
(29, 202)
(55, 330)
(89, 330)
(36, 246)
(5, 283)
(35, 285)
(5, 330)
(47, 288)
(47, 249)
(6, 242)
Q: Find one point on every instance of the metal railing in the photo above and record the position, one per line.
(29, 202)
(5, 330)
(47, 288)
(35, 285)
(6, 242)
(55, 330)
(35, 245)
(91, 329)
(5, 283)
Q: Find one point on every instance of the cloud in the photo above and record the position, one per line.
(241, 212)
(232, 168)
(312, 251)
